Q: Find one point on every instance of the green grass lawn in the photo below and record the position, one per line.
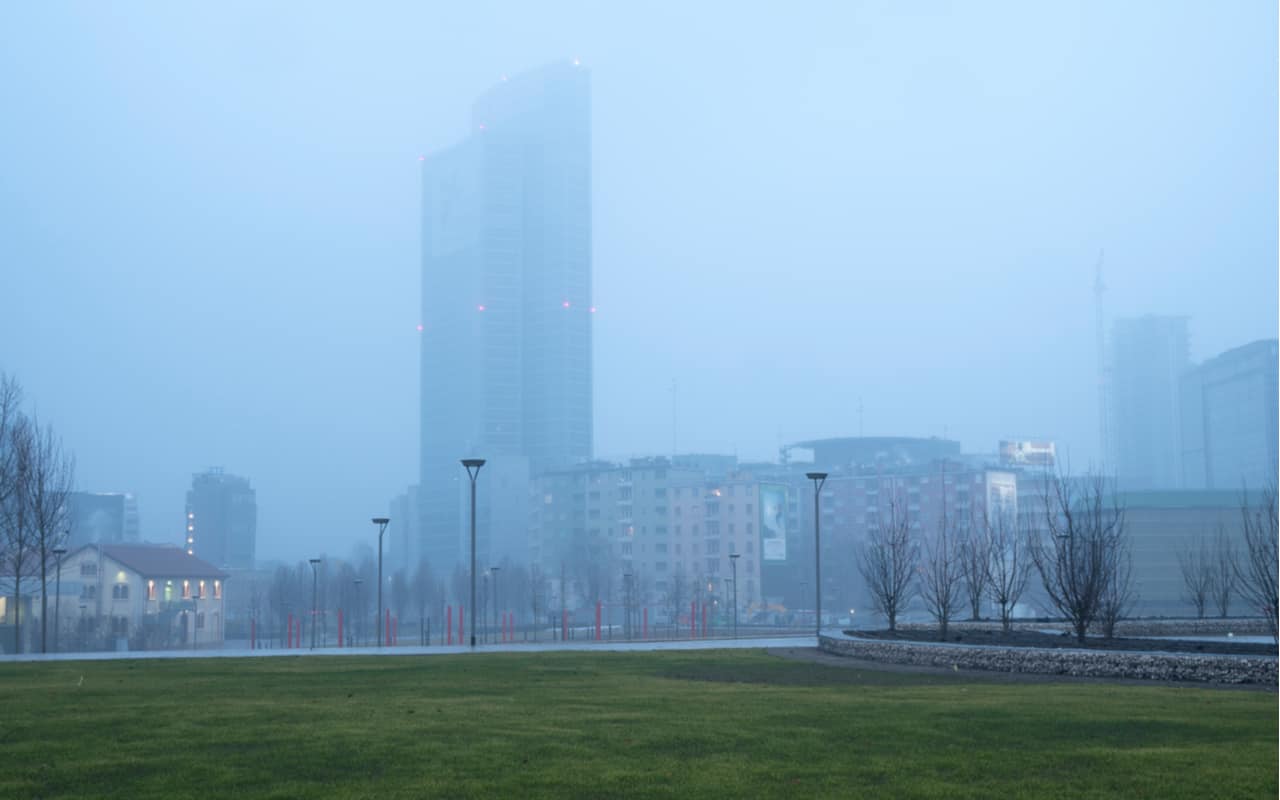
(709, 724)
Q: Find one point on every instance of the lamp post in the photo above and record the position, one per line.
(733, 562)
(315, 563)
(473, 465)
(58, 553)
(360, 606)
(818, 479)
(626, 604)
(382, 529)
(494, 571)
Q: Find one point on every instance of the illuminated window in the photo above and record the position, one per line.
(203, 595)
(186, 590)
(217, 590)
(168, 591)
(151, 590)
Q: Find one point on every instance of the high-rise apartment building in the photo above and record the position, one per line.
(101, 518)
(506, 309)
(1229, 412)
(1148, 357)
(222, 519)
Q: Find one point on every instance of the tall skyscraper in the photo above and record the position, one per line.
(1229, 413)
(101, 518)
(222, 519)
(506, 308)
(1149, 356)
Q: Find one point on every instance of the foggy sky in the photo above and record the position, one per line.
(209, 223)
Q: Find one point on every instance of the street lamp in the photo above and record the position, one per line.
(818, 478)
(315, 563)
(381, 522)
(494, 571)
(360, 607)
(58, 553)
(733, 562)
(626, 604)
(473, 465)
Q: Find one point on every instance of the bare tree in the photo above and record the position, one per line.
(887, 561)
(942, 575)
(17, 529)
(1224, 572)
(51, 476)
(1079, 552)
(424, 589)
(1256, 570)
(975, 559)
(1008, 563)
(537, 597)
(677, 596)
(1196, 565)
(1118, 593)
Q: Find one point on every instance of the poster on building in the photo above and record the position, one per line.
(773, 522)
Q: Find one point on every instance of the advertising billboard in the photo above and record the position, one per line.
(773, 522)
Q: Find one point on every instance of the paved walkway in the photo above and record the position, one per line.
(802, 640)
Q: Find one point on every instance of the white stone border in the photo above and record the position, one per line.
(1209, 668)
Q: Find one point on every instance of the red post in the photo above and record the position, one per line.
(645, 635)
(597, 620)
(289, 636)
(448, 624)
(564, 624)
(339, 627)
(386, 627)
(253, 634)
(704, 620)
(693, 619)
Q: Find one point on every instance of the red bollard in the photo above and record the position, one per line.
(597, 620)
(289, 637)
(339, 627)
(693, 619)
(448, 624)
(253, 634)
(704, 620)
(386, 628)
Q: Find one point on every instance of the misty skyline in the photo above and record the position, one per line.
(209, 221)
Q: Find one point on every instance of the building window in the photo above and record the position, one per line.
(186, 590)
(748, 509)
(659, 548)
(119, 626)
(151, 590)
(88, 569)
(199, 620)
(89, 592)
(203, 595)
(217, 590)
(168, 591)
(120, 591)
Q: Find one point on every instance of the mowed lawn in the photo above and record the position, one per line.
(692, 724)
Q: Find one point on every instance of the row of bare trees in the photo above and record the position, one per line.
(1076, 544)
(36, 478)
(1080, 553)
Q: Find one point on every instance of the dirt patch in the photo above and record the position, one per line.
(1052, 641)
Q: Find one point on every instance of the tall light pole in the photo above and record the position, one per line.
(58, 553)
(473, 465)
(626, 604)
(494, 571)
(733, 562)
(360, 606)
(315, 564)
(381, 522)
(818, 479)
